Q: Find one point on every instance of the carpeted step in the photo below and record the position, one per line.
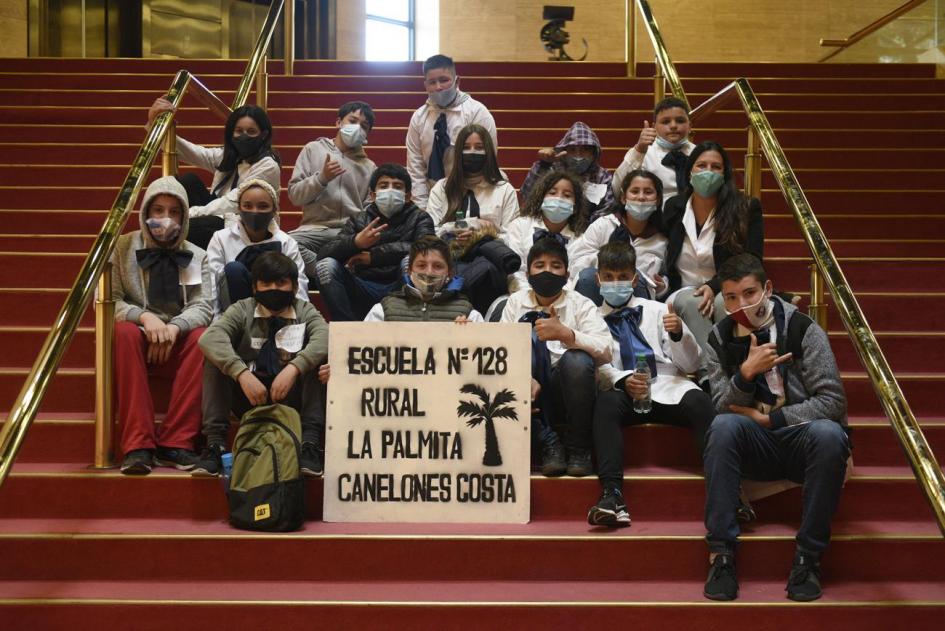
(831, 70)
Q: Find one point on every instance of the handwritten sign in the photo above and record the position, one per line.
(428, 422)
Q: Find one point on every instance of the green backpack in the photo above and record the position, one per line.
(266, 490)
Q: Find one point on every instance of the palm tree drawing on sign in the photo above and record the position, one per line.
(486, 412)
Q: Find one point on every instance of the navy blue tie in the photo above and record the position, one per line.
(624, 325)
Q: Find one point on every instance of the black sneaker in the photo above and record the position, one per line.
(610, 510)
(210, 463)
(722, 583)
(137, 462)
(312, 460)
(180, 459)
(552, 460)
(745, 513)
(803, 585)
(579, 463)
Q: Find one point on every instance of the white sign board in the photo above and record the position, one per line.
(428, 422)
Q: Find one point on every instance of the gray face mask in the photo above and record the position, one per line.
(447, 96)
(578, 165)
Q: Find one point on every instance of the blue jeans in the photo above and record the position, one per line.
(587, 286)
(813, 454)
(348, 297)
(573, 391)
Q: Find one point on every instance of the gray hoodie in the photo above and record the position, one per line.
(130, 282)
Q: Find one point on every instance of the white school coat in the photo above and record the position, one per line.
(652, 161)
(497, 202)
(650, 251)
(520, 236)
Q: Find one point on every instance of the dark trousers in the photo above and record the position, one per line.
(200, 229)
(235, 284)
(571, 402)
(221, 395)
(614, 411)
(347, 297)
(813, 454)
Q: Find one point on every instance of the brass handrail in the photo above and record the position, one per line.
(665, 70)
(257, 61)
(875, 25)
(95, 268)
(827, 270)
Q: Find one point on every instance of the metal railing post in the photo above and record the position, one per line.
(104, 371)
(631, 38)
(169, 157)
(753, 164)
(817, 309)
(262, 85)
(659, 83)
(289, 22)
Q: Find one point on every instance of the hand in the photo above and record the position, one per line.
(636, 386)
(660, 283)
(370, 235)
(330, 170)
(253, 388)
(160, 105)
(761, 358)
(707, 305)
(461, 319)
(536, 392)
(154, 329)
(548, 154)
(283, 383)
(464, 236)
(361, 258)
(160, 353)
(672, 324)
(551, 328)
(762, 419)
(647, 138)
(324, 373)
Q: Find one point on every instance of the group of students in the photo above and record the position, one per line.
(660, 262)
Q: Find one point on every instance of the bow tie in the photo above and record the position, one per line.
(541, 233)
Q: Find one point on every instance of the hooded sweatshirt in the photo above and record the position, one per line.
(597, 180)
(130, 281)
(464, 110)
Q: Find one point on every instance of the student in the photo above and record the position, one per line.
(569, 341)
(435, 125)
(160, 284)
(364, 263)
(578, 152)
(643, 326)
(232, 251)
(707, 223)
(246, 154)
(662, 148)
(782, 415)
(635, 220)
(557, 208)
(330, 180)
(269, 345)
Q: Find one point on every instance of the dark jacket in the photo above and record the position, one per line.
(672, 220)
(403, 229)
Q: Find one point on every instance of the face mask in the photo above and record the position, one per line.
(617, 293)
(669, 146)
(255, 222)
(473, 161)
(447, 96)
(578, 165)
(640, 211)
(275, 299)
(706, 183)
(753, 316)
(353, 135)
(389, 202)
(248, 146)
(427, 284)
(547, 284)
(557, 209)
(164, 229)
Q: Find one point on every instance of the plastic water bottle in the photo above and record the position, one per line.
(227, 462)
(644, 405)
(459, 222)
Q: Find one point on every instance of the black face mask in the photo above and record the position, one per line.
(248, 146)
(256, 221)
(473, 162)
(275, 299)
(547, 284)
(578, 165)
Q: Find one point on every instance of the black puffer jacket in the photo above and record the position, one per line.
(403, 229)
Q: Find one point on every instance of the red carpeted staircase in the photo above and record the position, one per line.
(83, 549)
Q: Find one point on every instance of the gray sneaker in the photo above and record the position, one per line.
(180, 459)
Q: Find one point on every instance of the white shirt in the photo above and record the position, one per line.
(520, 236)
(227, 204)
(376, 314)
(696, 263)
(497, 202)
(674, 360)
(575, 312)
(420, 134)
(225, 246)
(652, 161)
(650, 250)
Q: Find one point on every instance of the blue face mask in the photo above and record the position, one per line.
(706, 183)
(353, 135)
(662, 143)
(556, 209)
(640, 211)
(389, 202)
(617, 293)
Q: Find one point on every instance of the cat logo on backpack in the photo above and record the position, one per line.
(262, 512)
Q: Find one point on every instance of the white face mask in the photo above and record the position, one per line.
(753, 316)
(164, 229)
(353, 135)
(640, 211)
(389, 201)
(447, 96)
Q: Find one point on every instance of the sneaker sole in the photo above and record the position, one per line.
(136, 470)
(803, 599)
(203, 473)
(173, 465)
(599, 517)
(312, 473)
(578, 473)
(719, 597)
